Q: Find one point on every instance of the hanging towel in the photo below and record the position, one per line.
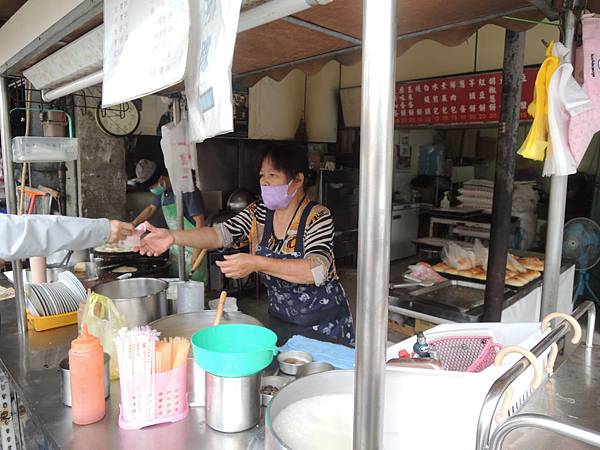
(536, 141)
(566, 99)
(583, 127)
(337, 355)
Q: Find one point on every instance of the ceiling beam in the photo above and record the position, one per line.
(323, 30)
(545, 7)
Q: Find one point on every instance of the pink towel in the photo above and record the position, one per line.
(583, 126)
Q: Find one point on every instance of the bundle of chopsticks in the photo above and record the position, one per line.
(141, 352)
(171, 353)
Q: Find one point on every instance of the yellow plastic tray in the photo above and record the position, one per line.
(50, 322)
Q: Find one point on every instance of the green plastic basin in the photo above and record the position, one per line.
(234, 350)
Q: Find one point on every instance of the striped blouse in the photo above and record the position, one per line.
(248, 227)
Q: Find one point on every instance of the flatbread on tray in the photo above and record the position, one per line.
(113, 248)
(516, 279)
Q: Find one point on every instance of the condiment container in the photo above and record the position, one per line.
(232, 403)
(65, 380)
(86, 364)
(291, 361)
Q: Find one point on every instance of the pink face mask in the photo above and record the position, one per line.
(277, 197)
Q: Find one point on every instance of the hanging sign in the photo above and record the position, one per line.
(145, 47)
(459, 99)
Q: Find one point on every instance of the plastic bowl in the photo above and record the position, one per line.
(234, 350)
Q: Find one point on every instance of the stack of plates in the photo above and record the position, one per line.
(63, 296)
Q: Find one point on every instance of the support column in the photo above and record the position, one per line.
(179, 202)
(514, 50)
(376, 166)
(556, 207)
(11, 200)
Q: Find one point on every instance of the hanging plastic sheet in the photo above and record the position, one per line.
(178, 160)
(145, 47)
(208, 80)
(566, 99)
(583, 127)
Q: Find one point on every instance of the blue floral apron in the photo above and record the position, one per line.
(322, 309)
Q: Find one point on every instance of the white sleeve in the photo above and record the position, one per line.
(38, 235)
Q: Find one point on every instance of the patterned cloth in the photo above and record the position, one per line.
(321, 307)
(249, 225)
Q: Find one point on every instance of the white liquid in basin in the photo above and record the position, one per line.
(321, 422)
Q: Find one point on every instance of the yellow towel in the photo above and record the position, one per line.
(536, 141)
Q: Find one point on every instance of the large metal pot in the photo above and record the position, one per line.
(325, 383)
(140, 300)
(186, 325)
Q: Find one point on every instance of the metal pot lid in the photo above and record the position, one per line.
(185, 325)
(239, 199)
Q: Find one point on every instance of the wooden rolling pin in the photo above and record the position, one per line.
(220, 308)
(198, 262)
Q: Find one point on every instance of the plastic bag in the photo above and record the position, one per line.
(481, 254)
(423, 272)
(513, 265)
(457, 257)
(104, 320)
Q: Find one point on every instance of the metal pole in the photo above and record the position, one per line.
(179, 203)
(556, 208)
(11, 200)
(514, 50)
(376, 166)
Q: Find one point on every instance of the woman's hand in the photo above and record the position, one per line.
(238, 266)
(119, 231)
(156, 242)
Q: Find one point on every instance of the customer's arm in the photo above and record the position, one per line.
(39, 235)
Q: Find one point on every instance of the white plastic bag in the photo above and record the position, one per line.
(481, 254)
(178, 159)
(457, 257)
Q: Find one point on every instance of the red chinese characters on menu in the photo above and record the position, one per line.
(456, 100)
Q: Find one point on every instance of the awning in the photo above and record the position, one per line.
(310, 39)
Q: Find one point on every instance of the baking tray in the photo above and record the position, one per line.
(457, 294)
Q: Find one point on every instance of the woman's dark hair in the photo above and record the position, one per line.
(291, 158)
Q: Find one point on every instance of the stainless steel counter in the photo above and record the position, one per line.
(31, 362)
(571, 395)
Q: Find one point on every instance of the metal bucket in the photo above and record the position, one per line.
(324, 383)
(232, 404)
(65, 380)
(140, 300)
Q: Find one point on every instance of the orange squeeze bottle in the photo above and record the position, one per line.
(86, 363)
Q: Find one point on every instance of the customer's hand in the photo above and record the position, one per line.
(119, 231)
(156, 242)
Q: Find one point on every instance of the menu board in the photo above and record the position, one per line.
(145, 47)
(474, 98)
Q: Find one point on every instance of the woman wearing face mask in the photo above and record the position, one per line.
(151, 176)
(291, 242)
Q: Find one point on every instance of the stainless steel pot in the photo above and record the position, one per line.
(65, 379)
(185, 325)
(325, 383)
(232, 404)
(140, 300)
